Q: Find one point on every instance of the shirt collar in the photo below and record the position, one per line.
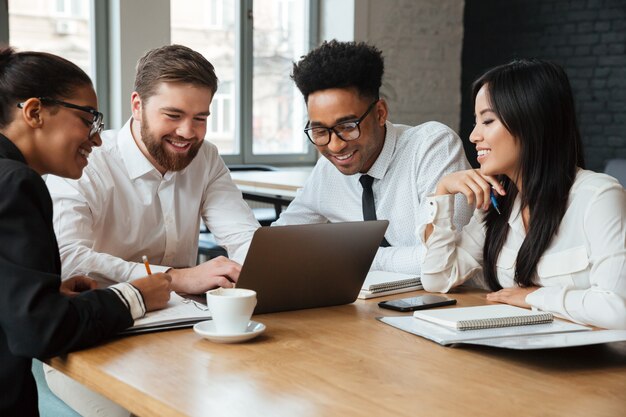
(135, 161)
(9, 150)
(382, 163)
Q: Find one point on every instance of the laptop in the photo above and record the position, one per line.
(307, 266)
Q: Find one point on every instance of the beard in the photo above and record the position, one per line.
(168, 160)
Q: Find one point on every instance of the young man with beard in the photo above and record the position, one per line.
(145, 191)
(367, 156)
(150, 184)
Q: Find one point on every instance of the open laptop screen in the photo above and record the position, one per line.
(306, 266)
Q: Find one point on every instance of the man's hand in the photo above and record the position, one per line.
(515, 296)
(218, 272)
(75, 285)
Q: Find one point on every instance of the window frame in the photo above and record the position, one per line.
(244, 65)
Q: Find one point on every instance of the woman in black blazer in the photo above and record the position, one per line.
(48, 124)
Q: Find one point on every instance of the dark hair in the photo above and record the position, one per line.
(533, 99)
(173, 63)
(340, 65)
(35, 74)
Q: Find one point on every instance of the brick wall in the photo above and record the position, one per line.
(587, 37)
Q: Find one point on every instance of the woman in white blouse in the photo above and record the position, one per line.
(557, 239)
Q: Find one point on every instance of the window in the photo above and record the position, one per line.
(61, 27)
(221, 127)
(257, 114)
(278, 107)
(209, 28)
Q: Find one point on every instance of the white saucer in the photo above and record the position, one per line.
(207, 330)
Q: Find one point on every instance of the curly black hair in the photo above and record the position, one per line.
(337, 64)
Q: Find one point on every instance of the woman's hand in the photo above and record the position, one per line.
(77, 284)
(471, 183)
(155, 290)
(515, 296)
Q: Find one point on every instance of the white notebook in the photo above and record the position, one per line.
(484, 317)
(180, 312)
(381, 283)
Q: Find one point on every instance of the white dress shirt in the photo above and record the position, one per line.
(122, 208)
(582, 273)
(412, 161)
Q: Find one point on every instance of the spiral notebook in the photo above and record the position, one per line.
(484, 317)
(382, 283)
(557, 333)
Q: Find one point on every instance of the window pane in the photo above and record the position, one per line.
(61, 27)
(208, 26)
(280, 38)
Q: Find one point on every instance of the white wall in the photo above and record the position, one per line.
(136, 27)
(421, 41)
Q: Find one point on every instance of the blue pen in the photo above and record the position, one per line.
(494, 201)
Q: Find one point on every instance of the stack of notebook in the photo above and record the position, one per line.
(382, 283)
(502, 326)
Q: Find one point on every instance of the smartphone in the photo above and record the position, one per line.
(417, 303)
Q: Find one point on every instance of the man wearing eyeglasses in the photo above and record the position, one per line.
(372, 168)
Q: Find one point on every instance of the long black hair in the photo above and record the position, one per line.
(533, 100)
(35, 74)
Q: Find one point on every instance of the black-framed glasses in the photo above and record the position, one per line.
(346, 131)
(97, 124)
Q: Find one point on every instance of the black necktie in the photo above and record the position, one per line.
(367, 201)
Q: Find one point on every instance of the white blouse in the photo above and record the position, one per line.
(582, 273)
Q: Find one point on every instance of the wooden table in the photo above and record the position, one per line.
(339, 361)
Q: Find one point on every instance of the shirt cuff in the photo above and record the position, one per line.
(440, 207)
(131, 297)
(547, 298)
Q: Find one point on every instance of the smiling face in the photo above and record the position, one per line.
(65, 145)
(326, 108)
(172, 124)
(498, 151)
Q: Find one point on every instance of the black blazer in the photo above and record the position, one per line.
(36, 321)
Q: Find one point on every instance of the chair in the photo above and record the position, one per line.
(49, 404)
(617, 168)
(264, 215)
(208, 248)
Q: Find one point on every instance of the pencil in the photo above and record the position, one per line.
(144, 258)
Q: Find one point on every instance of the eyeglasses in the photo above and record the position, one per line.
(346, 131)
(97, 123)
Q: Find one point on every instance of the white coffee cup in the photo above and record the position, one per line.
(231, 309)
